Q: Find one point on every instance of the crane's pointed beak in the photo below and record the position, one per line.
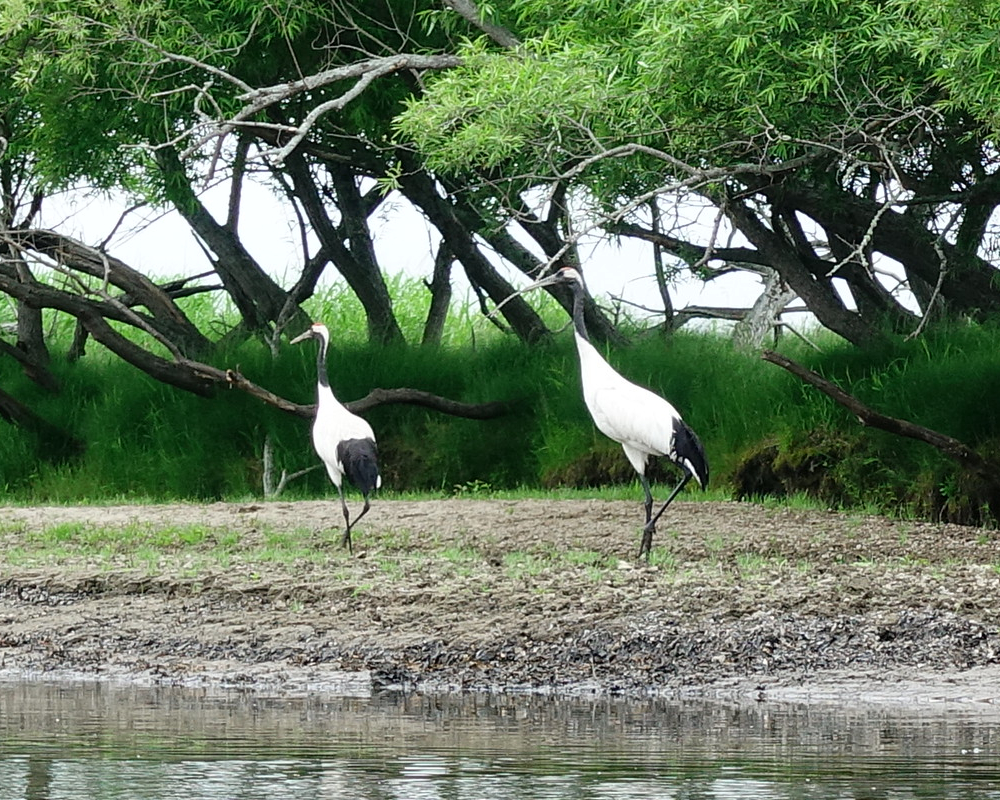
(548, 280)
(306, 334)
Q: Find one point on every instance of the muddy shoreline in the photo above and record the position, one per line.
(543, 596)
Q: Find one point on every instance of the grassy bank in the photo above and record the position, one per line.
(765, 432)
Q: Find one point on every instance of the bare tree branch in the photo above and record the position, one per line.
(37, 372)
(468, 10)
(59, 443)
(363, 73)
(416, 397)
(374, 399)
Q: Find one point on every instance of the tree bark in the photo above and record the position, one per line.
(440, 289)
(56, 444)
(30, 333)
(546, 233)
(659, 272)
(358, 267)
(968, 280)
(470, 12)
(94, 316)
(39, 373)
(374, 399)
(258, 298)
(31, 351)
(164, 314)
(760, 321)
(817, 293)
(420, 190)
(194, 376)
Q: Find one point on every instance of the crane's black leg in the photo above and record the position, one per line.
(650, 529)
(673, 494)
(346, 539)
(347, 532)
(649, 497)
(647, 531)
(358, 517)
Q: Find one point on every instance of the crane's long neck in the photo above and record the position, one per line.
(321, 377)
(578, 322)
(593, 367)
(324, 394)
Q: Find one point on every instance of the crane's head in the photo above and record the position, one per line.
(565, 275)
(315, 331)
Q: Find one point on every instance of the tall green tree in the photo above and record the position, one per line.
(827, 139)
(160, 98)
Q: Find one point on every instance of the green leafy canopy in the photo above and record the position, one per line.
(706, 79)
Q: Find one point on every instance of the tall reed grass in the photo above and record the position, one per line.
(147, 441)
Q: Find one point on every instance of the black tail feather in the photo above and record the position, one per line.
(360, 460)
(689, 452)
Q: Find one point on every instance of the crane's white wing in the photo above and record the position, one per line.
(643, 422)
(633, 416)
(333, 425)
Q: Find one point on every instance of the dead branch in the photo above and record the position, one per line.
(35, 371)
(70, 255)
(272, 491)
(417, 397)
(56, 443)
(375, 398)
(967, 458)
(256, 100)
(799, 335)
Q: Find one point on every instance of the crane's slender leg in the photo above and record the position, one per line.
(347, 532)
(356, 520)
(346, 539)
(647, 531)
(650, 529)
(649, 497)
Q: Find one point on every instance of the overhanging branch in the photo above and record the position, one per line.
(968, 458)
(361, 74)
(471, 14)
(375, 398)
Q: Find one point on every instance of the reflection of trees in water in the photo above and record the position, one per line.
(103, 740)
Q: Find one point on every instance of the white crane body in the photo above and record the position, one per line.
(641, 421)
(341, 437)
(344, 441)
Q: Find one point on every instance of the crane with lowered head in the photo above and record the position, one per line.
(642, 422)
(344, 441)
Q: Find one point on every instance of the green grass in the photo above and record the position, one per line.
(756, 563)
(664, 559)
(194, 553)
(518, 565)
(586, 558)
(133, 546)
(148, 442)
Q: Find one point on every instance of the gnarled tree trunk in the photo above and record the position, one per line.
(356, 263)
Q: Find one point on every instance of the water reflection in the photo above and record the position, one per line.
(105, 740)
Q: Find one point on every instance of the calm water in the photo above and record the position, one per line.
(91, 740)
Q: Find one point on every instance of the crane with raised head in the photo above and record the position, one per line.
(343, 441)
(643, 423)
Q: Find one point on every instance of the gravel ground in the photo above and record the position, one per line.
(508, 595)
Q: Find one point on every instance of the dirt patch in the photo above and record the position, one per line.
(488, 594)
